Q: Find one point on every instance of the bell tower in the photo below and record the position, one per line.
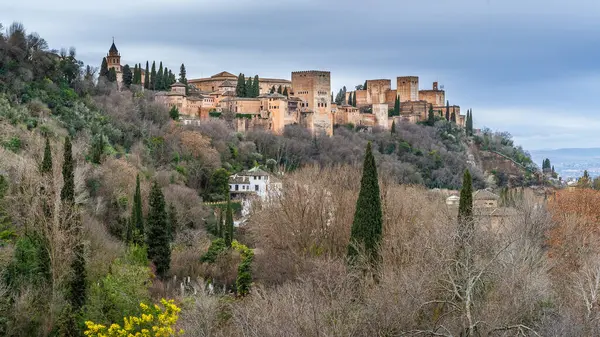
(113, 58)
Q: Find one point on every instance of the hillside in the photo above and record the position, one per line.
(572, 162)
(104, 204)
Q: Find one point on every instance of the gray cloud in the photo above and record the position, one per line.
(511, 61)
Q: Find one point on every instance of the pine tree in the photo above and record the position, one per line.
(249, 87)
(465, 208)
(285, 92)
(46, 167)
(240, 89)
(228, 230)
(183, 78)
(397, 106)
(127, 76)
(367, 226)
(153, 76)
(279, 90)
(67, 194)
(104, 68)
(159, 248)
(447, 110)
(393, 129)
(160, 84)
(137, 216)
(147, 77)
(112, 75)
(256, 87)
(172, 222)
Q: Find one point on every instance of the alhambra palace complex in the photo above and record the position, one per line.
(308, 102)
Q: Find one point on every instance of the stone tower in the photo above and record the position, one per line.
(407, 88)
(314, 89)
(113, 58)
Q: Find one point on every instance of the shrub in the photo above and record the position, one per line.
(216, 248)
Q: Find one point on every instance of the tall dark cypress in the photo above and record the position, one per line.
(172, 222)
(127, 76)
(137, 217)
(249, 87)
(67, 194)
(112, 75)
(159, 247)
(240, 88)
(46, 167)
(367, 226)
(160, 84)
(397, 106)
(220, 223)
(166, 79)
(393, 129)
(147, 77)
(465, 208)
(430, 117)
(153, 76)
(448, 110)
(183, 78)
(279, 90)
(453, 117)
(135, 74)
(255, 86)
(104, 68)
(365, 85)
(228, 235)
(285, 92)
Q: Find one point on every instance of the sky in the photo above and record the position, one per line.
(529, 67)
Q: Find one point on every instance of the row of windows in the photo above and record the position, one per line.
(322, 105)
(302, 93)
(245, 188)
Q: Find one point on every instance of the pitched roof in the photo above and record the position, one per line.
(223, 74)
(485, 195)
(177, 84)
(256, 171)
(113, 48)
(227, 83)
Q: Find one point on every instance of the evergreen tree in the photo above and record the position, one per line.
(367, 226)
(112, 75)
(249, 87)
(77, 285)
(159, 248)
(397, 106)
(147, 77)
(97, 150)
(365, 85)
(447, 110)
(285, 92)
(430, 117)
(127, 76)
(220, 219)
(272, 91)
(280, 90)
(46, 167)
(172, 222)
(104, 68)
(137, 216)
(67, 194)
(453, 117)
(174, 113)
(135, 74)
(183, 78)
(153, 76)
(332, 101)
(393, 129)
(256, 87)
(166, 79)
(240, 89)
(160, 84)
(228, 230)
(465, 208)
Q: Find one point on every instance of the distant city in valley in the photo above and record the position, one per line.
(570, 163)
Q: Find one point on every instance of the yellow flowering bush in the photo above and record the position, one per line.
(153, 322)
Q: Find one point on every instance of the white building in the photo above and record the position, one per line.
(253, 182)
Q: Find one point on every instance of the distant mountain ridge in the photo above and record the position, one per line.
(570, 162)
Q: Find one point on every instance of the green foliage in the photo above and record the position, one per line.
(247, 116)
(127, 76)
(448, 110)
(393, 129)
(98, 148)
(77, 292)
(240, 89)
(12, 144)
(243, 281)
(160, 83)
(367, 226)
(46, 167)
(217, 247)
(67, 193)
(159, 248)
(104, 68)
(30, 264)
(214, 114)
(119, 293)
(465, 209)
(172, 214)
(218, 186)
(136, 230)
(397, 106)
(147, 77)
(174, 113)
(112, 75)
(153, 76)
(228, 234)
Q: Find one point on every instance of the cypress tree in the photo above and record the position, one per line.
(285, 92)
(393, 130)
(397, 106)
(465, 208)
(104, 68)
(256, 87)
(367, 226)
(182, 74)
(135, 74)
(365, 85)
(137, 217)
(160, 84)
(127, 76)
(228, 230)
(153, 76)
(249, 87)
(67, 194)
(447, 110)
(240, 89)
(159, 248)
(453, 117)
(112, 75)
(272, 91)
(279, 90)
(166, 79)
(46, 167)
(219, 228)
(430, 117)
(147, 77)
(97, 150)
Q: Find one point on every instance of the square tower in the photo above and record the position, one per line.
(377, 89)
(314, 89)
(407, 87)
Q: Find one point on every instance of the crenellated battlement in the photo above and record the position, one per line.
(311, 72)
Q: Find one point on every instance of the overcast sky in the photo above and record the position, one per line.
(529, 67)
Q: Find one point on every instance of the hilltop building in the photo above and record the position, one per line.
(253, 182)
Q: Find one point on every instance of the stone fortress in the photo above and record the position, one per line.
(308, 101)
